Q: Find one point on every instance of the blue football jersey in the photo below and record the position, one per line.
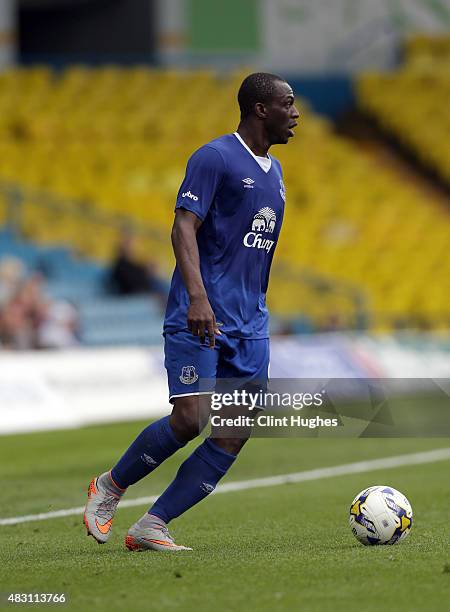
(242, 208)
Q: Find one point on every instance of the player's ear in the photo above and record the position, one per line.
(260, 110)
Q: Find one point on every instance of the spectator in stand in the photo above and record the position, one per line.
(22, 315)
(15, 330)
(59, 328)
(129, 276)
(28, 319)
(12, 273)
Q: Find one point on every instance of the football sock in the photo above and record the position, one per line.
(196, 478)
(153, 445)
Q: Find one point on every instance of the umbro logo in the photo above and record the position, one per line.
(188, 194)
(248, 183)
(206, 487)
(148, 460)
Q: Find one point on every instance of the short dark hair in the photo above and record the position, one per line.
(257, 87)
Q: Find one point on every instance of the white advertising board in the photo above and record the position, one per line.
(47, 390)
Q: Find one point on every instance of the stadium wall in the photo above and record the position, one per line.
(290, 36)
(294, 36)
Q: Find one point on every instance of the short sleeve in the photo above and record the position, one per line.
(204, 173)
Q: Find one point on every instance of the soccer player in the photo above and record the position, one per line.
(228, 217)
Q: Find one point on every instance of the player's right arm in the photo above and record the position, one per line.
(201, 320)
(204, 174)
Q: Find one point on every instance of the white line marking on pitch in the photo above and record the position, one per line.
(440, 454)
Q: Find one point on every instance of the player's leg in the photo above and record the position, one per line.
(159, 440)
(199, 474)
(153, 445)
(196, 478)
(186, 362)
(189, 416)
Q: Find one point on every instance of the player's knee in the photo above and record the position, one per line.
(185, 419)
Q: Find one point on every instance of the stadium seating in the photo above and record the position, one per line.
(104, 320)
(119, 321)
(412, 103)
(94, 148)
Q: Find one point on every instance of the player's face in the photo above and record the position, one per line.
(282, 114)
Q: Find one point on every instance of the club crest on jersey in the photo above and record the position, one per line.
(188, 375)
(263, 223)
(282, 191)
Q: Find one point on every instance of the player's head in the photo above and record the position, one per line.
(269, 99)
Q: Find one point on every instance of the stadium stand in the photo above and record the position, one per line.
(103, 320)
(412, 103)
(86, 150)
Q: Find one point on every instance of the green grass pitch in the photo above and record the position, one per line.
(287, 547)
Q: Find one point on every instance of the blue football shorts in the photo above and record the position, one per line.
(194, 368)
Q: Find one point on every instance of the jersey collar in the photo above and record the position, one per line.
(265, 163)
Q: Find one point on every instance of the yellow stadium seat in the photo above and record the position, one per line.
(92, 143)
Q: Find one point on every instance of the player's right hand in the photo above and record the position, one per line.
(201, 321)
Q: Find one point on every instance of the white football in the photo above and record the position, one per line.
(380, 515)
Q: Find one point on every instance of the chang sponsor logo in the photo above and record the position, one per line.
(256, 241)
(263, 223)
